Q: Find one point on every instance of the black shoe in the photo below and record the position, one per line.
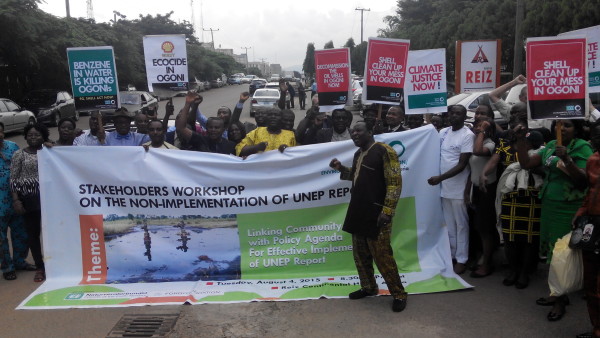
(522, 282)
(398, 305)
(26, 267)
(358, 294)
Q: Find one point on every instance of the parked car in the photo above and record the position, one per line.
(49, 105)
(248, 78)
(513, 94)
(257, 84)
(263, 97)
(13, 117)
(139, 102)
(474, 99)
(357, 89)
(218, 83)
(234, 80)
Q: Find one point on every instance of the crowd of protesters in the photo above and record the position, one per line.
(517, 187)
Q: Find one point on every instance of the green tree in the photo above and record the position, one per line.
(328, 45)
(254, 71)
(358, 56)
(350, 44)
(308, 67)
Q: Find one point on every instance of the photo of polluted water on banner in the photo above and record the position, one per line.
(151, 249)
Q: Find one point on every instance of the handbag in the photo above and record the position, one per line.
(586, 235)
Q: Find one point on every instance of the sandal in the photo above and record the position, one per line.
(40, 276)
(482, 272)
(11, 275)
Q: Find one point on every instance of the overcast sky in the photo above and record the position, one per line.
(277, 31)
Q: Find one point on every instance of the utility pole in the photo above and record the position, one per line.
(518, 50)
(90, 10)
(68, 8)
(193, 17)
(211, 35)
(246, 48)
(362, 11)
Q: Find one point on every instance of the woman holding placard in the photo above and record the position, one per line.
(562, 192)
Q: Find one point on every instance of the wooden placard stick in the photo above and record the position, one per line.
(558, 131)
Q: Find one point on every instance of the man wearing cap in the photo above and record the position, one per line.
(123, 136)
(376, 188)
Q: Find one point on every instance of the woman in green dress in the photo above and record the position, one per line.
(562, 192)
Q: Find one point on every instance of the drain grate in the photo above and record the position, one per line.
(143, 326)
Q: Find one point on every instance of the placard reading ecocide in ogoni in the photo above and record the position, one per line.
(385, 70)
(556, 77)
(166, 62)
(93, 77)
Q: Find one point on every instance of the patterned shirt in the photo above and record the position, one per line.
(591, 202)
(6, 154)
(24, 177)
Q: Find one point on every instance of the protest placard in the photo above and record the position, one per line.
(385, 69)
(556, 77)
(250, 233)
(333, 78)
(425, 87)
(166, 63)
(93, 78)
(592, 35)
(477, 65)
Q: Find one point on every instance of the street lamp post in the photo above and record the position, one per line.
(246, 48)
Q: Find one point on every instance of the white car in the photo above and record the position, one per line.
(248, 78)
(265, 97)
(357, 90)
(13, 117)
(474, 99)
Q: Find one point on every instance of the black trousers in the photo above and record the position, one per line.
(302, 101)
(33, 225)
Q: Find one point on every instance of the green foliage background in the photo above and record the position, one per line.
(33, 47)
(440, 23)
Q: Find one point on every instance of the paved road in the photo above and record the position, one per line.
(488, 310)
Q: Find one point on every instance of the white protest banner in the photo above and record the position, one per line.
(166, 63)
(425, 86)
(223, 229)
(556, 77)
(592, 35)
(332, 67)
(93, 78)
(477, 65)
(385, 69)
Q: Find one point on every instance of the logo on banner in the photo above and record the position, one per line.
(398, 147)
(167, 47)
(480, 56)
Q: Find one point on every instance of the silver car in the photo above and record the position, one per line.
(264, 97)
(13, 117)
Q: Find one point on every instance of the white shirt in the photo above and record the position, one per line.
(454, 143)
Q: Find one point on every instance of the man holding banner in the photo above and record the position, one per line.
(376, 188)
